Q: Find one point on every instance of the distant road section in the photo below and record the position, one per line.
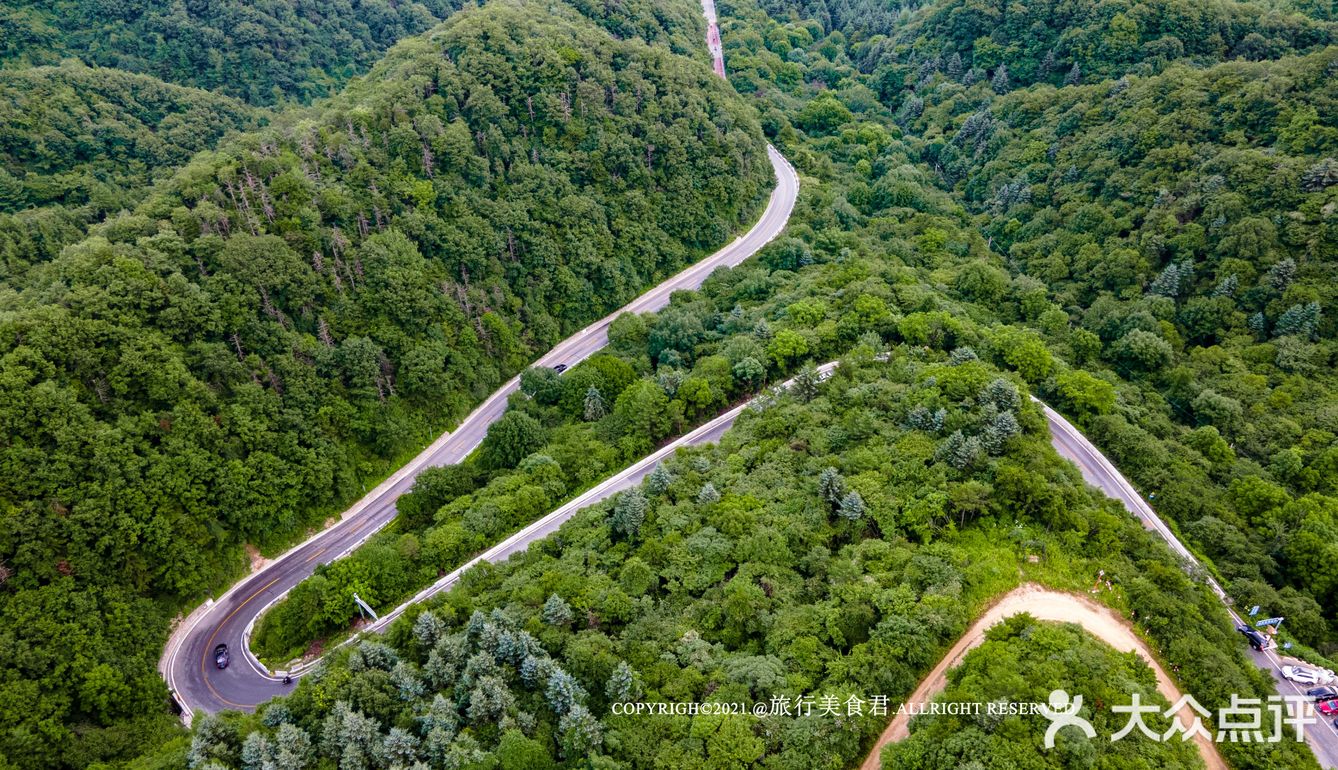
(1101, 473)
(187, 662)
(713, 38)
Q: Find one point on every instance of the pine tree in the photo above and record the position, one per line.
(276, 713)
(440, 715)
(1172, 280)
(1002, 394)
(657, 483)
(580, 731)
(292, 748)
(1000, 82)
(1257, 324)
(831, 486)
(622, 686)
(563, 692)
(1281, 275)
(708, 494)
(959, 451)
(400, 748)
(629, 513)
(955, 66)
(1227, 287)
(1047, 65)
(556, 611)
(997, 433)
(962, 355)
(1075, 75)
(489, 699)
(806, 383)
(669, 379)
(427, 629)
(594, 405)
(213, 740)
(255, 752)
(922, 418)
(851, 507)
(406, 680)
(1299, 320)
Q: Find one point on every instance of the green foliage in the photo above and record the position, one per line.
(1021, 662)
(756, 592)
(78, 144)
(270, 52)
(1080, 393)
(287, 316)
(510, 440)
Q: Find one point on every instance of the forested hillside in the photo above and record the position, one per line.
(1126, 208)
(272, 51)
(832, 546)
(78, 143)
(287, 315)
(1021, 661)
(839, 538)
(1187, 221)
(1180, 216)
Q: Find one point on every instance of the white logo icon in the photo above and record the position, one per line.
(1063, 712)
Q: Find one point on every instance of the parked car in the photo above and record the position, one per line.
(1328, 708)
(1322, 693)
(1257, 640)
(221, 656)
(1300, 675)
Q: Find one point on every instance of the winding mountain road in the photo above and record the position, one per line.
(1101, 473)
(187, 662)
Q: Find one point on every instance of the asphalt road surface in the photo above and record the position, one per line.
(1102, 474)
(187, 663)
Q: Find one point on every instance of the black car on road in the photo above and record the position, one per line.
(1322, 693)
(221, 656)
(1257, 640)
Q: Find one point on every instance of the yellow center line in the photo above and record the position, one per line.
(204, 669)
(314, 555)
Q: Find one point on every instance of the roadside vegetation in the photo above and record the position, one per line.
(1126, 209)
(1022, 661)
(233, 359)
(1162, 192)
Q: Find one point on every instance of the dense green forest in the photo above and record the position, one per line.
(78, 143)
(272, 51)
(887, 256)
(259, 52)
(1171, 230)
(1126, 208)
(287, 315)
(827, 546)
(1021, 661)
(662, 374)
